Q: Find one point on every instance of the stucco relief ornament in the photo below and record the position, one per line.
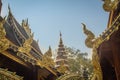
(4, 43)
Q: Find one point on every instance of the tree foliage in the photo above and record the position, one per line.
(79, 62)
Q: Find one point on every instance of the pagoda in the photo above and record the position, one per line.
(61, 59)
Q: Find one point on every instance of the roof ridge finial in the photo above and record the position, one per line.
(10, 13)
(60, 34)
(9, 7)
(27, 21)
(49, 47)
(61, 42)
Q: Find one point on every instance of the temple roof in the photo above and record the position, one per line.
(17, 36)
(9, 33)
(13, 23)
(21, 47)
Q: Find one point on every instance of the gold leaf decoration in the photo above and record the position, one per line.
(8, 75)
(90, 36)
(47, 59)
(93, 43)
(26, 46)
(4, 43)
(110, 5)
(62, 68)
(26, 27)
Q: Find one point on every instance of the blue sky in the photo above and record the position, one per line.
(48, 17)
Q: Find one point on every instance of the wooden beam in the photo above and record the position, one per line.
(14, 58)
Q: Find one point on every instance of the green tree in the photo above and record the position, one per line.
(79, 62)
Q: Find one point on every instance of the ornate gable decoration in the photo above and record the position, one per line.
(4, 43)
(26, 46)
(26, 27)
(47, 59)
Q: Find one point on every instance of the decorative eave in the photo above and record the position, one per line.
(25, 59)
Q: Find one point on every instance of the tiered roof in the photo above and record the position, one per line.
(61, 58)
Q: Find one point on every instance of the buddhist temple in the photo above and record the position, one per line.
(106, 52)
(20, 55)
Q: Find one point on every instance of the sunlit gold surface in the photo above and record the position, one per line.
(4, 43)
(110, 5)
(91, 42)
(95, 43)
(26, 46)
(8, 75)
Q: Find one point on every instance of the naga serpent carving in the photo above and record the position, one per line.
(90, 36)
(110, 5)
(93, 43)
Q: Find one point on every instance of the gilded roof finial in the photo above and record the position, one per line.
(49, 52)
(47, 58)
(90, 36)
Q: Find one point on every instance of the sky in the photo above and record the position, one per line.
(47, 18)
